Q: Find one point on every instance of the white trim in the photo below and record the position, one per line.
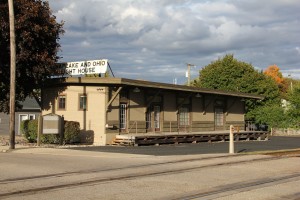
(19, 126)
(31, 115)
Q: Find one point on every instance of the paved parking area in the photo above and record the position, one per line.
(274, 144)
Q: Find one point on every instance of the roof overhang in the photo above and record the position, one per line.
(96, 81)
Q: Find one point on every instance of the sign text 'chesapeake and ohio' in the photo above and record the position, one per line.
(86, 67)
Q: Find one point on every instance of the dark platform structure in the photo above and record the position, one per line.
(176, 138)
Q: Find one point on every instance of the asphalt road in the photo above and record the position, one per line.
(33, 173)
(274, 143)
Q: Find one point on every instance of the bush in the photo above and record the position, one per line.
(50, 139)
(72, 131)
(29, 130)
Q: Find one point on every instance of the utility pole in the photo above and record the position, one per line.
(189, 73)
(12, 74)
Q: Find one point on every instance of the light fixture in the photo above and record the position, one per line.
(198, 95)
(136, 90)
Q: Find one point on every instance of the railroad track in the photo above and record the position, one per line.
(236, 188)
(32, 185)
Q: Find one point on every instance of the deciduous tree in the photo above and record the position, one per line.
(229, 74)
(37, 36)
(273, 71)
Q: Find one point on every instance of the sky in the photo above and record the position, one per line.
(154, 40)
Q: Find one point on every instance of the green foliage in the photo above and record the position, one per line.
(229, 74)
(50, 139)
(37, 35)
(72, 131)
(293, 109)
(273, 115)
(29, 130)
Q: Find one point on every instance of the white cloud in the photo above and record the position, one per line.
(163, 35)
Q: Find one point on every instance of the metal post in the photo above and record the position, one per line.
(231, 140)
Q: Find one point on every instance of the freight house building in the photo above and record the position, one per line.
(109, 107)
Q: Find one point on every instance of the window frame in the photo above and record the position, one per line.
(31, 115)
(81, 104)
(219, 117)
(59, 102)
(123, 116)
(184, 116)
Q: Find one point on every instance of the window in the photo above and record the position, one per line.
(31, 116)
(184, 118)
(82, 102)
(61, 102)
(148, 119)
(219, 115)
(156, 116)
(123, 115)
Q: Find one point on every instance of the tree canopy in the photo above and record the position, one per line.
(273, 72)
(37, 36)
(229, 74)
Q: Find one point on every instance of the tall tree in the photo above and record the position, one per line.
(37, 36)
(229, 74)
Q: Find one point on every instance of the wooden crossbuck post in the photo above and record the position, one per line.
(231, 140)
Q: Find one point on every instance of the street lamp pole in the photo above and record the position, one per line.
(12, 74)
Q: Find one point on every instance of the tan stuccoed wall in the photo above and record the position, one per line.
(199, 112)
(93, 120)
(137, 107)
(235, 110)
(113, 113)
(170, 108)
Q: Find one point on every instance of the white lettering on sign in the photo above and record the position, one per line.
(86, 67)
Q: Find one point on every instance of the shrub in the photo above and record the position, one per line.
(72, 131)
(50, 139)
(24, 128)
(29, 130)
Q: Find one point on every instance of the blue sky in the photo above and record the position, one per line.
(154, 39)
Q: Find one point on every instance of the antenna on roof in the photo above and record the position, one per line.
(110, 69)
(175, 81)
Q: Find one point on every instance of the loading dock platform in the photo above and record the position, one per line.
(176, 138)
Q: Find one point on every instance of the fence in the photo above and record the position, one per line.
(133, 128)
(285, 131)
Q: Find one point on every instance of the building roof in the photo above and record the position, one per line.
(96, 81)
(30, 104)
